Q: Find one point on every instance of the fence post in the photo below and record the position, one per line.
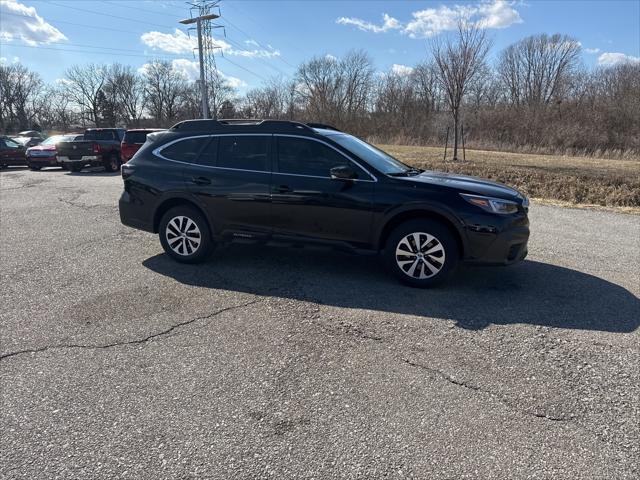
(446, 142)
(464, 152)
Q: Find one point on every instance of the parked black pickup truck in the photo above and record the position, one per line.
(100, 147)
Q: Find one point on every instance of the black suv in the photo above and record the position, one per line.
(204, 182)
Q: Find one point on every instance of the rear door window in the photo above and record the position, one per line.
(186, 150)
(244, 152)
(209, 156)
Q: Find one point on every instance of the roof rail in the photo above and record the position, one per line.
(322, 125)
(208, 124)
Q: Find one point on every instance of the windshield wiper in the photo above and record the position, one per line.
(408, 172)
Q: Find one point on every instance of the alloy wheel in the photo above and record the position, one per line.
(183, 235)
(420, 255)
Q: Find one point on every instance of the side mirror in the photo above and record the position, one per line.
(342, 172)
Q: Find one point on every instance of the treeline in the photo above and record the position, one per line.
(536, 96)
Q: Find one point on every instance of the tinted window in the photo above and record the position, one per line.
(185, 150)
(100, 135)
(135, 137)
(308, 157)
(209, 155)
(244, 152)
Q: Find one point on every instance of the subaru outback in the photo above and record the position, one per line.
(209, 182)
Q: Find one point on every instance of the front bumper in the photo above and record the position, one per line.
(502, 244)
(93, 160)
(48, 161)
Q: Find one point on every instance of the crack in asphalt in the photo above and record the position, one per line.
(476, 388)
(129, 342)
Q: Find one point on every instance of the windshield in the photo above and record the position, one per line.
(57, 139)
(375, 157)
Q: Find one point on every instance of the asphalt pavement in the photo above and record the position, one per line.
(116, 362)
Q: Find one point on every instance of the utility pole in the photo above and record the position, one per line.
(203, 82)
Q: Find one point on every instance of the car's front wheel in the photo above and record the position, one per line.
(421, 253)
(185, 235)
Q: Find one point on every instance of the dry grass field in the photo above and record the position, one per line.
(575, 180)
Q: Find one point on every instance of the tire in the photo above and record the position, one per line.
(113, 163)
(75, 167)
(179, 231)
(416, 268)
(63, 166)
(34, 167)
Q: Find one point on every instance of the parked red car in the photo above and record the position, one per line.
(45, 154)
(133, 140)
(11, 153)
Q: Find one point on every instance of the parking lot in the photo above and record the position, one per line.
(276, 363)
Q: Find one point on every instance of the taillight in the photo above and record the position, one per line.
(127, 170)
(96, 148)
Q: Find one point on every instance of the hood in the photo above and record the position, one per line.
(51, 148)
(467, 184)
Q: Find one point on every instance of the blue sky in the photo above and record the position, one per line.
(266, 39)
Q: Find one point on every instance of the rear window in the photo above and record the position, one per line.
(100, 135)
(186, 150)
(135, 137)
(246, 152)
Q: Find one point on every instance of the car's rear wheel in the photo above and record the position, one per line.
(422, 253)
(34, 167)
(112, 164)
(75, 167)
(185, 235)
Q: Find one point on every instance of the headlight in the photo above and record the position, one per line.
(493, 205)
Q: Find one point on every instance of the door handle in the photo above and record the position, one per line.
(282, 189)
(201, 180)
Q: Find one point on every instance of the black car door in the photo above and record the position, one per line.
(231, 178)
(308, 202)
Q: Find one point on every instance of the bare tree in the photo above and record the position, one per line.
(83, 85)
(164, 87)
(537, 69)
(458, 60)
(125, 89)
(20, 91)
(219, 92)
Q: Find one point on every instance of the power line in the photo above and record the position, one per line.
(93, 27)
(109, 15)
(86, 51)
(245, 69)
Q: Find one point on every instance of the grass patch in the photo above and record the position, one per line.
(576, 180)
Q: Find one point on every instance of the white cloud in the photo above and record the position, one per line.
(176, 42)
(615, 58)
(499, 14)
(191, 71)
(592, 50)
(5, 60)
(333, 58)
(388, 23)
(431, 21)
(179, 42)
(401, 70)
(20, 22)
(252, 43)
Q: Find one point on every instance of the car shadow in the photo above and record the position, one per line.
(93, 172)
(529, 293)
